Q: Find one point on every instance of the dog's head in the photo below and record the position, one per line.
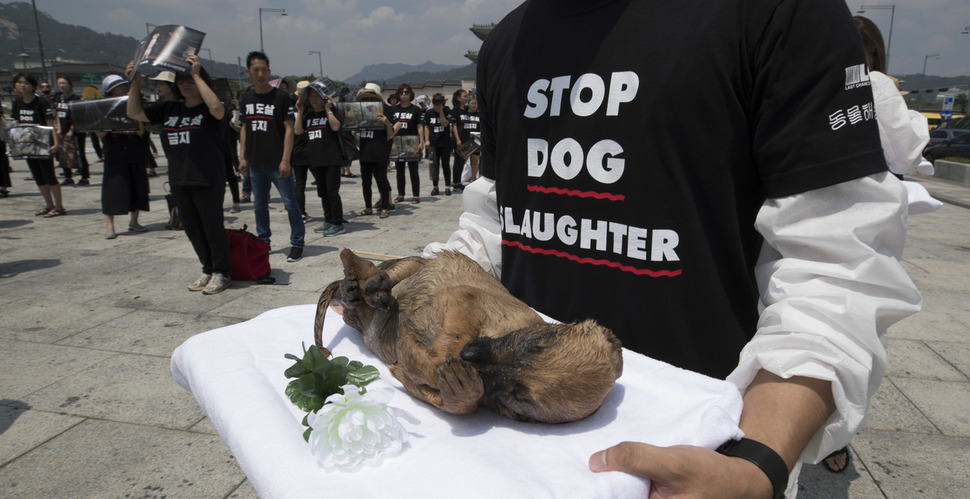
(552, 373)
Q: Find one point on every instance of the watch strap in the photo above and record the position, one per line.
(764, 458)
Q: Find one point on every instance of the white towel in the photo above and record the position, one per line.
(236, 374)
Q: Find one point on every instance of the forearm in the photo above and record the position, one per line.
(133, 107)
(216, 109)
(242, 145)
(287, 143)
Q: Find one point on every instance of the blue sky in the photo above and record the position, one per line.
(353, 33)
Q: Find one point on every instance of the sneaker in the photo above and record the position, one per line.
(110, 233)
(234, 209)
(244, 199)
(84, 181)
(68, 181)
(136, 227)
(200, 283)
(334, 230)
(217, 284)
(305, 217)
(447, 191)
(434, 192)
(323, 228)
(295, 254)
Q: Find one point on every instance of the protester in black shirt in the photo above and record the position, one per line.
(319, 120)
(28, 109)
(124, 186)
(466, 122)
(407, 121)
(72, 143)
(374, 154)
(266, 144)
(437, 138)
(459, 106)
(196, 171)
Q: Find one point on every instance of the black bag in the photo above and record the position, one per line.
(348, 146)
(174, 221)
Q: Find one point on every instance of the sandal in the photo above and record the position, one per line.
(415, 201)
(43, 211)
(364, 212)
(55, 213)
(844, 451)
(385, 214)
(399, 199)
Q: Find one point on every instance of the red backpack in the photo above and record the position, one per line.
(248, 257)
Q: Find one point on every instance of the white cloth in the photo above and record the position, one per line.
(904, 133)
(830, 299)
(236, 374)
(920, 200)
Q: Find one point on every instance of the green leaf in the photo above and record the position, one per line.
(296, 370)
(340, 361)
(363, 375)
(306, 434)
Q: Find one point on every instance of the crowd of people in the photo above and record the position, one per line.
(268, 134)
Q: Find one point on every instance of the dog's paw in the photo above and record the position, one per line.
(460, 386)
(377, 291)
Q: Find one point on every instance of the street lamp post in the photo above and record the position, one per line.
(281, 12)
(320, 59)
(892, 17)
(925, 59)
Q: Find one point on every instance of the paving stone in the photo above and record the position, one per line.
(908, 465)
(890, 410)
(957, 354)
(28, 367)
(914, 359)
(944, 403)
(22, 429)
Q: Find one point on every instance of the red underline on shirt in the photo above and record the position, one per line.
(593, 261)
(318, 127)
(573, 192)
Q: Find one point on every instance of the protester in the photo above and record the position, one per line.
(28, 109)
(374, 154)
(437, 139)
(407, 122)
(46, 92)
(124, 186)
(196, 173)
(769, 256)
(459, 108)
(465, 124)
(319, 120)
(5, 183)
(265, 146)
(71, 153)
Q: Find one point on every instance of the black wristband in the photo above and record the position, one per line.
(764, 458)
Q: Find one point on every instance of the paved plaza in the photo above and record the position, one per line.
(89, 408)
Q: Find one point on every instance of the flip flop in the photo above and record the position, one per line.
(832, 468)
(43, 211)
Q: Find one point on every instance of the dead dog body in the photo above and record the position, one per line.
(456, 339)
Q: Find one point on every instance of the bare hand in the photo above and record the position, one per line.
(284, 169)
(129, 69)
(196, 66)
(684, 471)
(243, 168)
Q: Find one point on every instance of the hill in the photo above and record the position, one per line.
(384, 72)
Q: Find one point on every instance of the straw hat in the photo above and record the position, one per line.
(370, 87)
(164, 76)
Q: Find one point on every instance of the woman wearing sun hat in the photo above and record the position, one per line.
(375, 151)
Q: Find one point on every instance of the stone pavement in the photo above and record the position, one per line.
(89, 408)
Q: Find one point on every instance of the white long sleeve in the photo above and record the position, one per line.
(903, 133)
(479, 234)
(831, 285)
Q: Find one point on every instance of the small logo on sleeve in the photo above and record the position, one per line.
(856, 76)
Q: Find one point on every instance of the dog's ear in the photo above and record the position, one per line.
(356, 267)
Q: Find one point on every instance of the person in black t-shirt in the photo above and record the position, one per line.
(265, 145)
(437, 138)
(465, 124)
(375, 155)
(72, 143)
(762, 248)
(407, 121)
(459, 106)
(318, 120)
(28, 109)
(192, 141)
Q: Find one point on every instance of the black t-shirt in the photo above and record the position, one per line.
(323, 143)
(466, 122)
(264, 117)
(409, 117)
(192, 140)
(64, 112)
(439, 133)
(35, 112)
(373, 144)
(631, 157)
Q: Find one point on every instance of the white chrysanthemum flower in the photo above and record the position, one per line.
(354, 429)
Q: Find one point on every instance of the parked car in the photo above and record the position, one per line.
(941, 134)
(958, 146)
